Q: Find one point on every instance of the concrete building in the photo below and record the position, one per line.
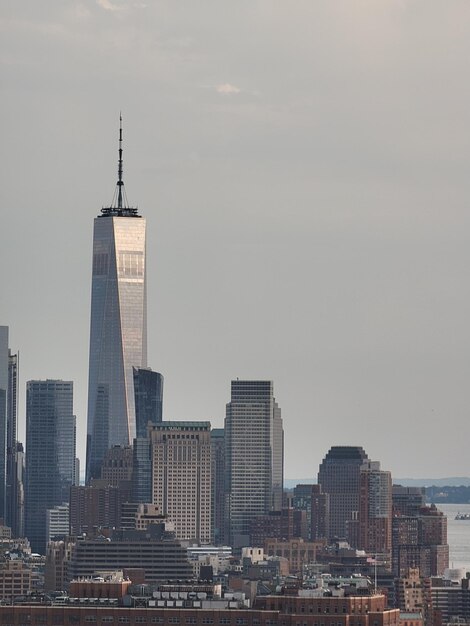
(16, 579)
(407, 501)
(50, 453)
(95, 506)
(181, 470)
(57, 521)
(296, 551)
(339, 477)
(155, 550)
(56, 570)
(254, 456)
(118, 329)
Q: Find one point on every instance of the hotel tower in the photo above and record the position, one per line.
(118, 329)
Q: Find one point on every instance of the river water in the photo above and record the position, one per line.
(458, 535)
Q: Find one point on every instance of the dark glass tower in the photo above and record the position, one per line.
(339, 477)
(148, 394)
(50, 453)
(118, 331)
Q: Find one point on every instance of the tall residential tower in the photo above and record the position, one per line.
(118, 330)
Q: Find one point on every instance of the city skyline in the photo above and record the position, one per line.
(306, 199)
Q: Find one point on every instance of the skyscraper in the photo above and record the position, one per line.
(375, 510)
(218, 484)
(11, 488)
(338, 476)
(50, 453)
(148, 394)
(181, 471)
(254, 456)
(118, 329)
(4, 354)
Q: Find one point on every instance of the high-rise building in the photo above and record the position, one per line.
(320, 517)
(148, 394)
(338, 476)
(420, 541)
(4, 357)
(254, 456)
(118, 329)
(181, 471)
(50, 453)
(218, 484)
(11, 488)
(375, 510)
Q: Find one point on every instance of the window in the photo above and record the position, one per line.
(190, 620)
(90, 619)
(157, 619)
(173, 620)
(123, 619)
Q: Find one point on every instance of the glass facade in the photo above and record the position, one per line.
(50, 453)
(148, 394)
(118, 333)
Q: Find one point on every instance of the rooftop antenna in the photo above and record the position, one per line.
(119, 206)
(120, 181)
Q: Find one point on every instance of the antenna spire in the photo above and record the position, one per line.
(120, 182)
(119, 206)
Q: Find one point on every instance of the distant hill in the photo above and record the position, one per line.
(453, 481)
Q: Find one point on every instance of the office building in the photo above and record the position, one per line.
(338, 476)
(254, 457)
(154, 549)
(148, 394)
(57, 522)
(50, 453)
(218, 484)
(11, 457)
(118, 330)
(181, 471)
(141, 470)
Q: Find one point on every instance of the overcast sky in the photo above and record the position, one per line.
(304, 170)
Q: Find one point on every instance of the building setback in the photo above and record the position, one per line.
(254, 457)
(181, 471)
(162, 559)
(50, 453)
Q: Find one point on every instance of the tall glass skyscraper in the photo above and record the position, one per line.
(50, 453)
(118, 332)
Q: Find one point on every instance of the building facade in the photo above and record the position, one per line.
(218, 484)
(339, 477)
(181, 471)
(118, 329)
(11, 457)
(148, 394)
(254, 457)
(375, 511)
(50, 453)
